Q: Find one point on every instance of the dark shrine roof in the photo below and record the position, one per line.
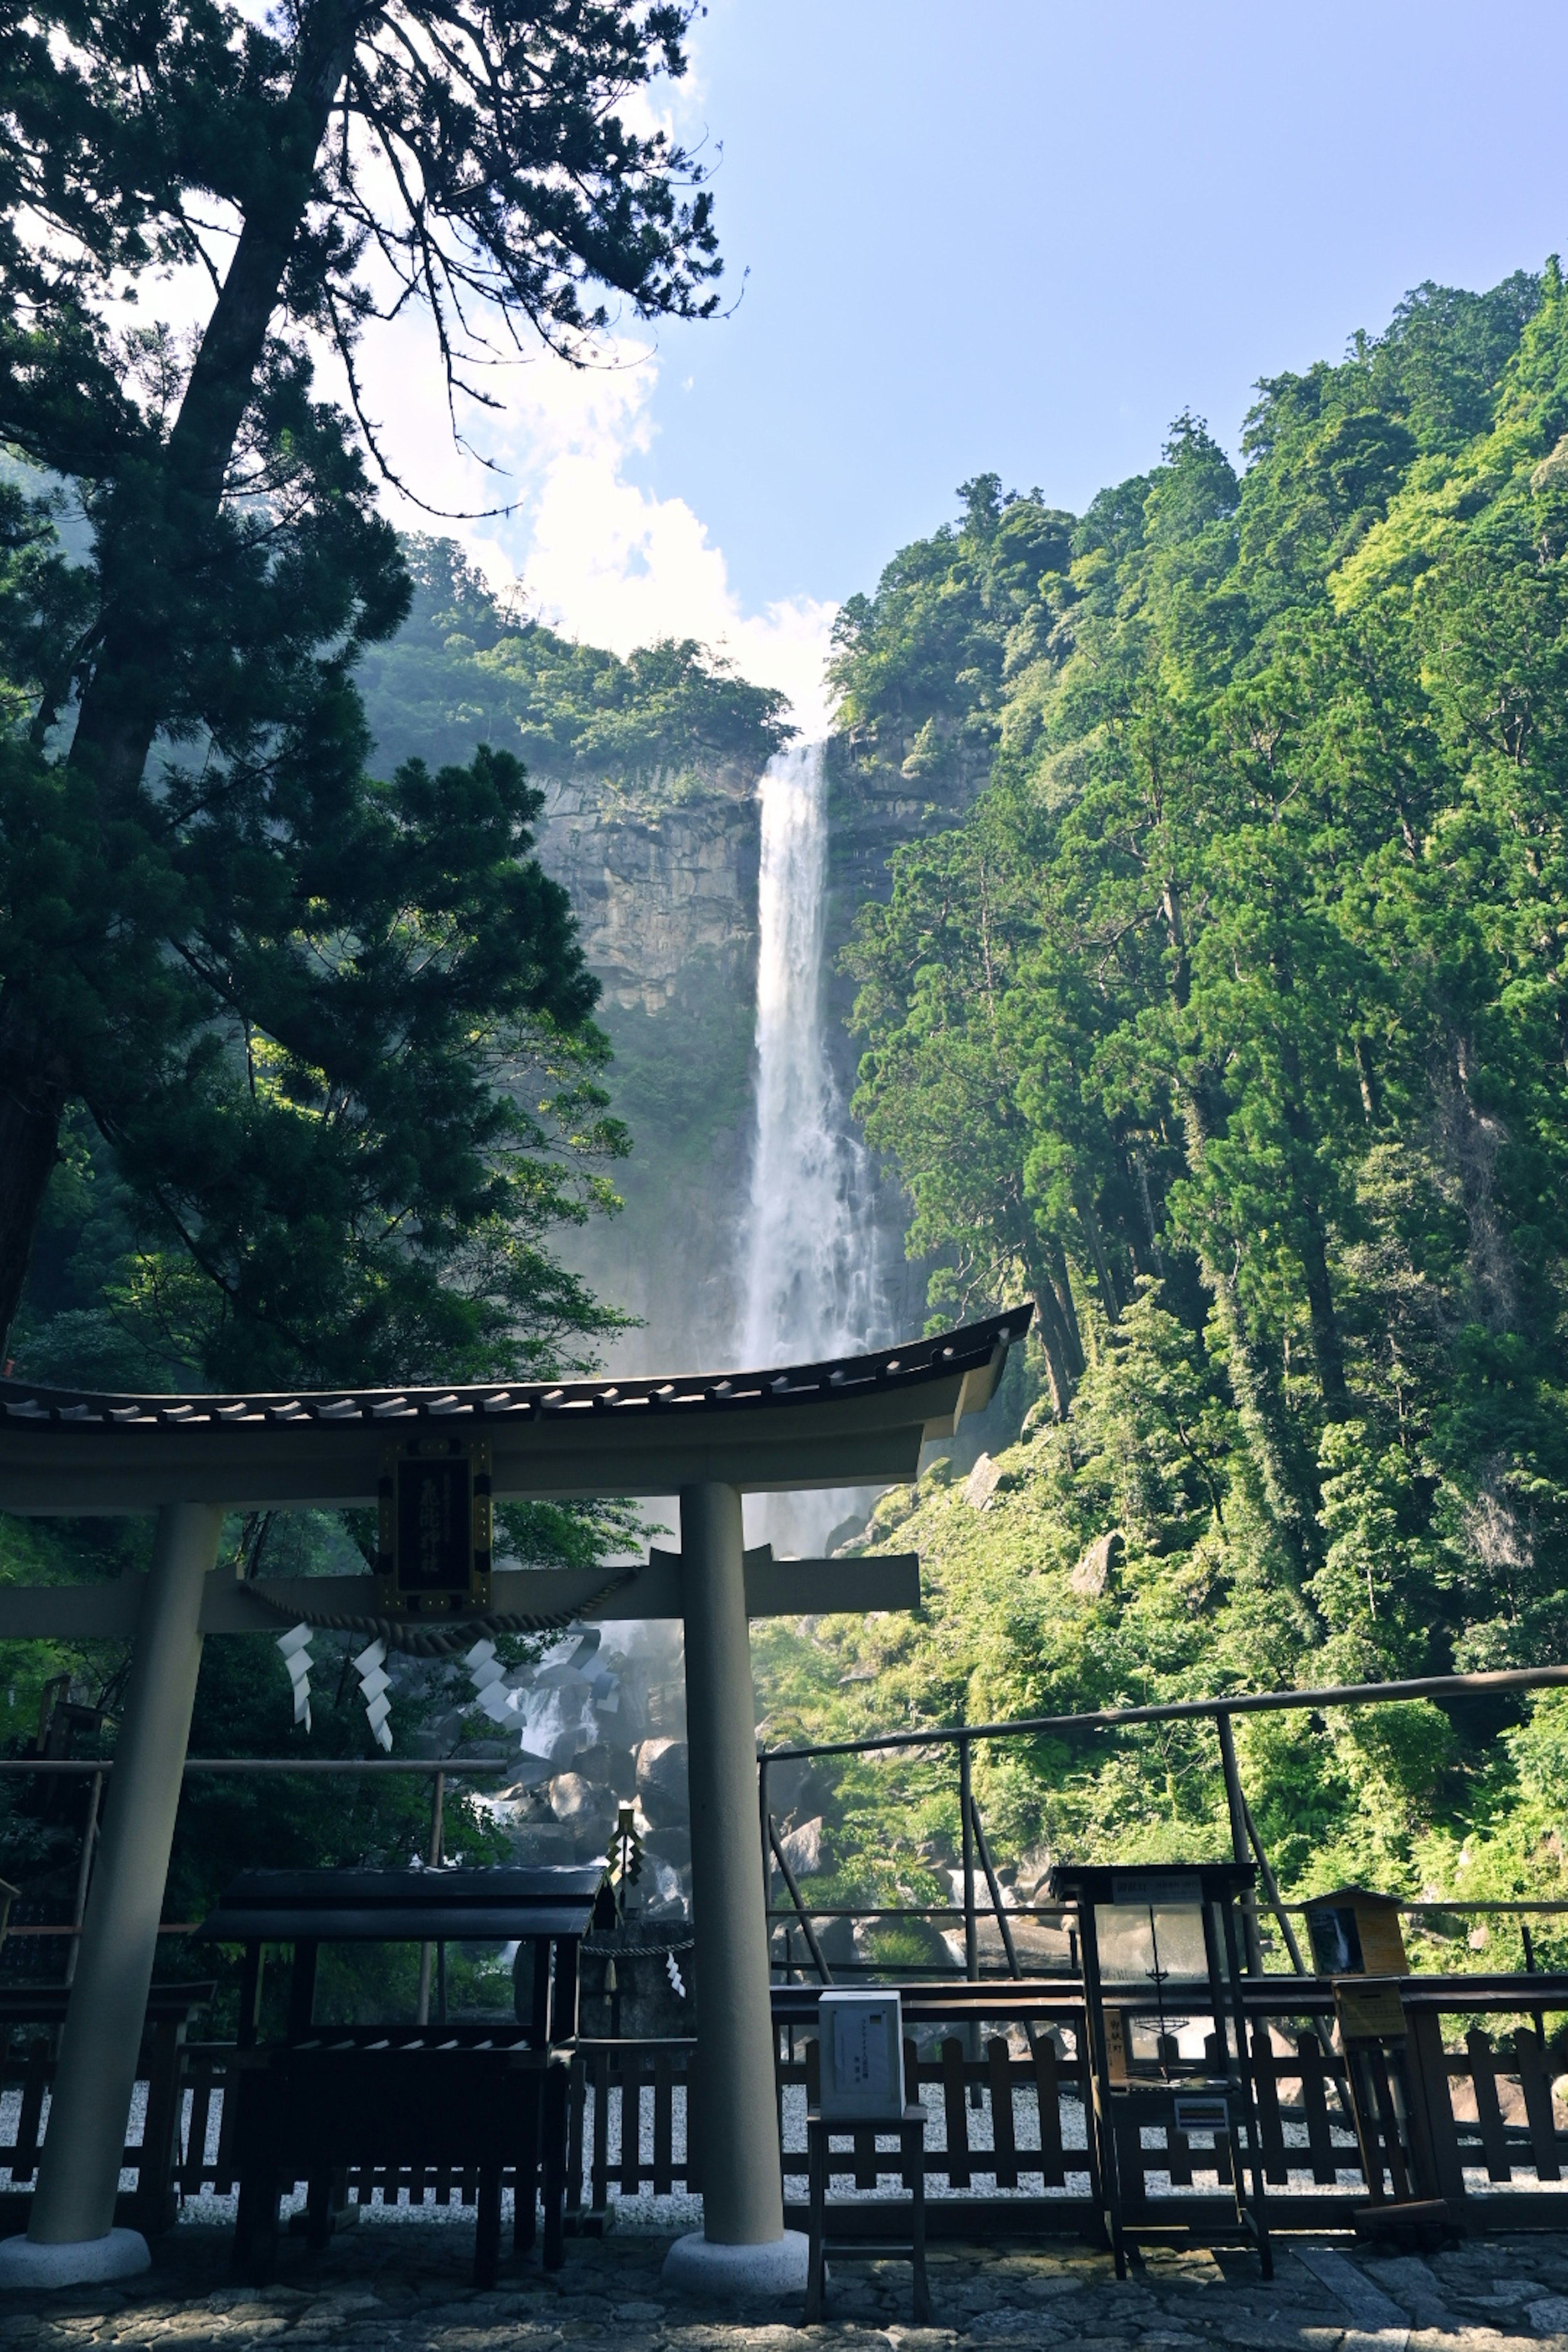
(334, 1906)
(26, 1405)
(850, 1421)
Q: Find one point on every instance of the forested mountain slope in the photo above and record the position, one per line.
(1231, 1026)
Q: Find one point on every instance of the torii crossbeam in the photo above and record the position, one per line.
(859, 1421)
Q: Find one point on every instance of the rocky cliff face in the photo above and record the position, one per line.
(661, 877)
(663, 874)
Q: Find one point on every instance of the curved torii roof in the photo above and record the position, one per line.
(852, 1421)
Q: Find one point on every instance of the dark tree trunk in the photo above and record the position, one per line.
(1053, 1341)
(1257, 1401)
(1327, 1347)
(1089, 1218)
(34, 1089)
(123, 703)
(1067, 1313)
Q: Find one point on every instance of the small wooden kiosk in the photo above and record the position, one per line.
(1163, 1953)
(330, 2100)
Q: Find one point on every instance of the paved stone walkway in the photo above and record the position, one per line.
(403, 2289)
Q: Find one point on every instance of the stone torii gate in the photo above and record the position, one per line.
(433, 1461)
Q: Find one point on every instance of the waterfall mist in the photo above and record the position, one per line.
(811, 1284)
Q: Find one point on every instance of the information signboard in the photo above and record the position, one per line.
(435, 1545)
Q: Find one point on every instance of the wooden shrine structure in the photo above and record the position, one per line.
(434, 1461)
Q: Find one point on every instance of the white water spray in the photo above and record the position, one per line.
(811, 1282)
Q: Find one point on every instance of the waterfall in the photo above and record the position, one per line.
(811, 1285)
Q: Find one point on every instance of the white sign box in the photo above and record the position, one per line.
(862, 2053)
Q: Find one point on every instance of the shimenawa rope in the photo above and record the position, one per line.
(441, 1641)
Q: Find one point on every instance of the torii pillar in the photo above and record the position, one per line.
(743, 2246)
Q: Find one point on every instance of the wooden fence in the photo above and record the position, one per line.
(1483, 2133)
(1004, 2082)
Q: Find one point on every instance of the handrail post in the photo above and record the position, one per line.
(966, 1814)
(1240, 1844)
(84, 1874)
(427, 1951)
(970, 1922)
(764, 1815)
(811, 1946)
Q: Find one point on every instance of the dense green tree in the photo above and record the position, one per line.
(1230, 1023)
(199, 881)
(464, 670)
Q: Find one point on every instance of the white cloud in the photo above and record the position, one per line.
(594, 554)
(610, 563)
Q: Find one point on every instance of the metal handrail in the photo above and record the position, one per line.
(1511, 1678)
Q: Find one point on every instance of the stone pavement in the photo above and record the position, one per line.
(403, 2288)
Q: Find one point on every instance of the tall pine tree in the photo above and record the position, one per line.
(287, 995)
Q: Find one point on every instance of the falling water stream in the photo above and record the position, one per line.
(811, 1284)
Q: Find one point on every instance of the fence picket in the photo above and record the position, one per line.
(35, 2078)
(1049, 2099)
(1315, 2107)
(631, 2122)
(1432, 2118)
(1265, 2097)
(576, 2100)
(953, 2089)
(1536, 2085)
(228, 2108)
(913, 2099)
(693, 2129)
(600, 2188)
(199, 2072)
(663, 2123)
(1003, 2141)
(1483, 2080)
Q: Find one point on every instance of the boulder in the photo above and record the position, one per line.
(802, 1848)
(574, 1800)
(671, 1846)
(1095, 1569)
(663, 1786)
(586, 1812)
(982, 1483)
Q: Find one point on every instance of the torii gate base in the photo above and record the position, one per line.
(859, 1422)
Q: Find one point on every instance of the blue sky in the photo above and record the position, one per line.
(1007, 237)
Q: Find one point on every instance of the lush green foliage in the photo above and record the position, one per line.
(463, 671)
(1231, 1027)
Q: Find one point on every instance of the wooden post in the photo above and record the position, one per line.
(966, 1814)
(971, 1921)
